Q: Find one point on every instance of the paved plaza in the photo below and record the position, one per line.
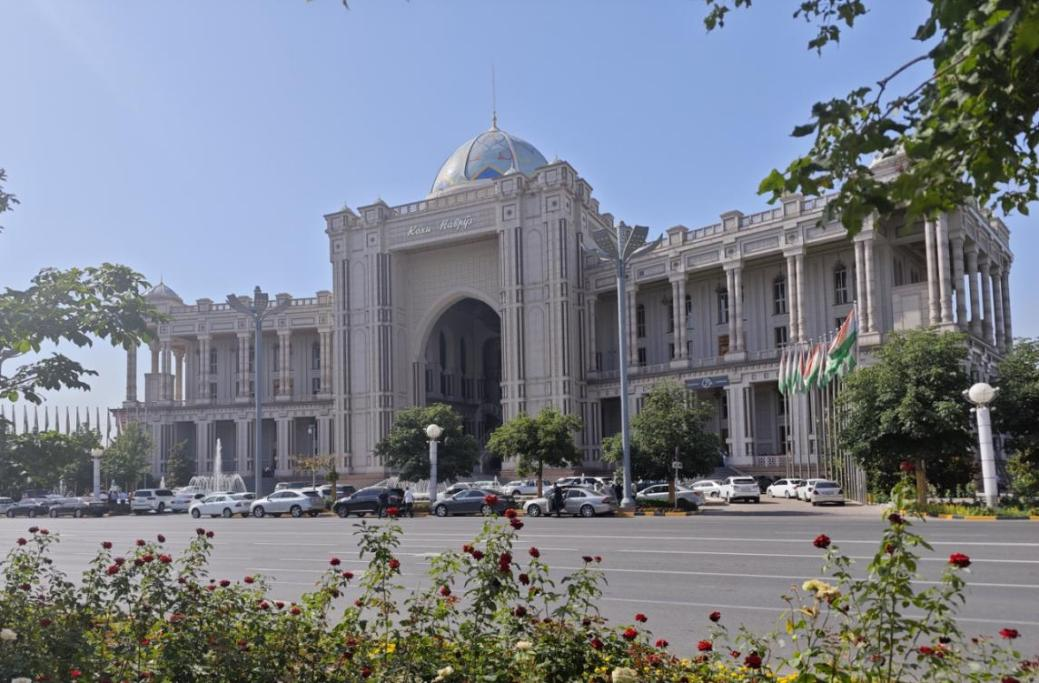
(737, 559)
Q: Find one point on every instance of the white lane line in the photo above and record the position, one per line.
(807, 557)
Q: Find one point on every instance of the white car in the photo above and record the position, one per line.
(151, 500)
(576, 501)
(182, 501)
(585, 481)
(741, 488)
(708, 488)
(296, 503)
(783, 488)
(825, 491)
(220, 505)
(685, 498)
(524, 487)
(802, 491)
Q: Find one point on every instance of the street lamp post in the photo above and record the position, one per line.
(433, 431)
(258, 310)
(619, 245)
(981, 395)
(96, 456)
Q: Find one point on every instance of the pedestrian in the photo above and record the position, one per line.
(384, 499)
(409, 502)
(557, 499)
(618, 491)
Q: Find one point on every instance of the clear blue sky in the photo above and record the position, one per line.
(203, 141)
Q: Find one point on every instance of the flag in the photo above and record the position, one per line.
(810, 373)
(781, 375)
(840, 357)
(823, 379)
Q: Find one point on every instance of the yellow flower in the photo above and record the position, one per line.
(524, 645)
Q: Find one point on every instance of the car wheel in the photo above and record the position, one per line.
(10, 514)
(258, 511)
(161, 509)
(226, 513)
(195, 513)
(32, 513)
(814, 504)
(534, 511)
(77, 514)
(486, 510)
(682, 504)
(342, 511)
(296, 511)
(53, 514)
(587, 511)
(440, 511)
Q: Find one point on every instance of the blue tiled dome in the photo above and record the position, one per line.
(489, 155)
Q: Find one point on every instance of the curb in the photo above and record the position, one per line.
(986, 518)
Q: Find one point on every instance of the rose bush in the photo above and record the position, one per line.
(492, 612)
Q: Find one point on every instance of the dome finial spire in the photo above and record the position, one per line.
(494, 101)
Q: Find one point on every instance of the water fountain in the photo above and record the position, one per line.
(218, 480)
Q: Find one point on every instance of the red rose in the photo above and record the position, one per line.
(279, 604)
(200, 531)
(140, 542)
(264, 604)
(445, 591)
(335, 562)
(662, 643)
(515, 524)
(1009, 633)
(148, 557)
(641, 618)
(906, 466)
(119, 561)
(510, 513)
(392, 511)
(394, 563)
(22, 541)
(45, 622)
(821, 541)
(224, 583)
(534, 552)
(735, 654)
(753, 661)
(1009, 679)
(959, 560)
(704, 646)
(895, 518)
(249, 579)
(138, 562)
(477, 555)
(210, 534)
(889, 549)
(347, 575)
(107, 545)
(25, 587)
(596, 643)
(715, 616)
(44, 532)
(295, 611)
(467, 548)
(165, 559)
(925, 650)
(490, 499)
(144, 642)
(75, 673)
(597, 558)
(113, 569)
(366, 671)
(587, 559)
(524, 579)
(520, 611)
(33, 529)
(161, 538)
(630, 633)
(358, 603)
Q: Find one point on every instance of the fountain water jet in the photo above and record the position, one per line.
(218, 480)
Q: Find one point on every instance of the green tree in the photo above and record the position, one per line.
(908, 406)
(965, 118)
(126, 460)
(1024, 477)
(545, 439)
(406, 447)
(671, 424)
(314, 464)
(46, 460)
(180, 467)
(1017, 403)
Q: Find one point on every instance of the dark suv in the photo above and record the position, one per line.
(367, 500)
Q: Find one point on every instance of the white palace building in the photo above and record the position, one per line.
(487, 295)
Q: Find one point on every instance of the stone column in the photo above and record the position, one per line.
(871, 286)
(243, 454)
(957, 277)
(736, 395)
(934, 315)
(730, 288)
(633, 323)
(325, 355)
(178, 380)
(282, 428)
(676, 317)
(154, 348)
(324, 431)
(203, 437)
(802, 333)
(682, 337)
(972, 285)
(860, 285)
(997, 304)
(131, 373)
(203, 369)
(791, 297)
(244, 376)
(944, 275)
(284, 371)
(736, 305)
(591, 310)
(988, 329)
(1008, 330)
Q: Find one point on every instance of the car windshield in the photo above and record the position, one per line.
(744, 480)
(312, 494)
(826, 485)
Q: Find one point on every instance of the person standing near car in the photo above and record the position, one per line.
(409, 502)
(384, 499)
(557, 499)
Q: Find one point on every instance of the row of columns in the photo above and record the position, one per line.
(205, 439)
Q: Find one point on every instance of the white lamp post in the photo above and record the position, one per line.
(433, 431)
(981, 395)
(96, 455)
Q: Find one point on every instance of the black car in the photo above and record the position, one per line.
(472, 502)
(367, 500)
(77, 507)
(30, 507)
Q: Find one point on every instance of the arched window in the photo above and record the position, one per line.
(640, 321)
(840, 284)
(443, 351)
(779, 295)
(315, 356)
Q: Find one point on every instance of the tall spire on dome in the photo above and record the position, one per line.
(494, 101)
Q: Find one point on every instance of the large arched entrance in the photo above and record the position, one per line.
(463, 367)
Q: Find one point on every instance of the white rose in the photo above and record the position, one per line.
(524, 645)
(624, 675)
(8, 635)
(21, 680)
(444, 674)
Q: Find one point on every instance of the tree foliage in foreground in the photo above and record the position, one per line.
(44, 460)
(546, 439)
(406, 448)
(1017, 403)
(180, 466)
(672, 423)
(908, 406)
(967, 125)
(126, 460)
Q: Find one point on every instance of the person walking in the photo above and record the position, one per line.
(384, 499)
(557, 499)
(618, 491)
(409, 502)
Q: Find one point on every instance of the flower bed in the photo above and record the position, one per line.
(490, 612)
(979, 510)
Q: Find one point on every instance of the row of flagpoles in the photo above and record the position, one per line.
(71, 424)
(811, 376)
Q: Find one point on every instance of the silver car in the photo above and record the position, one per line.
(686, 499)
(576, 501)
(296, 503)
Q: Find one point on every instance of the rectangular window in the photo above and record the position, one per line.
(723, 306)
(779, 296)
(781, 335)
(212, 361)
(671, 351)
(640, 321)
(840, 286)
(642, 355)
(315, 357)
(276, 386)
(723, 405)
(670, 303)
(689, 348)
(837, 322)
(315, 386)
(212, 391)
(688, 304)
(723, 344)
(598, 360)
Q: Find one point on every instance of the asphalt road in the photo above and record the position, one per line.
(737, 559)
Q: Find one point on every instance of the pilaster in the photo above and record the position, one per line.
(957, 277)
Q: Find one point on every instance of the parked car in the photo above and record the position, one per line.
(709, 488)
(741, 488)
(576, 501)
(524, 487)
(29, 507)
(784, 488)
(290, 485)
(182, 501)
(453, 489)
(802, 491)
(220, 505)
(471, 502)
(685, 499)
(296, 503)
(151, 500)
(584, 481)
(764, 481)
(367, 500)
(825, 491)
(244, 495)
(74, 507)
(6, 504)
